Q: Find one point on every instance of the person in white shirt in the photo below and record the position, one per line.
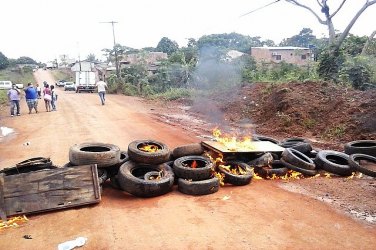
(101, 85)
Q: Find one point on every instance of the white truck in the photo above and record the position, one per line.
(85, 81)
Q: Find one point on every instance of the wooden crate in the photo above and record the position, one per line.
(49, 189)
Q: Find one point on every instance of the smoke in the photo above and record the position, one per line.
(218, 80)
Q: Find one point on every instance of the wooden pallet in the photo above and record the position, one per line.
(49, 189)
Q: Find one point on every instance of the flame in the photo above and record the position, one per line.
(232, 143)
(149, 148)
(257, 177)
(327, 175)
(234, 169)
(194, 164)
(13, 222)
(351, 176)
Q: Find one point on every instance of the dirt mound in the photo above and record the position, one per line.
(325, 112)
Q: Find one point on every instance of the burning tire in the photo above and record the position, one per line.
(278, 169)
(113, 170)
(237, 173)
(297, 169)
(355, 164)
(333, 162)
(298, 159)
(300, 144)
(367, 147)
(189, 149)
(102, 154)
(193, 167)
(131, 178)
(261, 161)
(202, 187)
(266, 138)
(148, 152)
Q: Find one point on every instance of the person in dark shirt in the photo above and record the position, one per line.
(31, 96)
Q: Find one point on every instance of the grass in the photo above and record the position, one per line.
(63, 74)
(174, 94)
(336, 131)
(23, 76)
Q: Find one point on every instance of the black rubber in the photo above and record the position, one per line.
(355, 164)
(264, 160)
(265, 138)
(139, 156)
(297, 169)
(333, 162)
(203, 170)
(29, 165)
(113, 170)
(102, 154)
(298, 159)
(188, 149)
(237, 180)
(367, 147)
(131, 178)
(277, 169)
(102, 175)
(203, 187)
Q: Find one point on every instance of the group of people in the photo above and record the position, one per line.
(32, 94)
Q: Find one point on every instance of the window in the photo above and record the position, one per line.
(278, 57)
(304, 57)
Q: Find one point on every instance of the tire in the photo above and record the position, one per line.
(303, 147)
(364, 169)
(114, 183)
(171, 165)
(202, 172)
(188, 149)
(131, 179)
(102, 175)
(234, 179)
(333, 162)
(151, 176)
(203, 187)
(277, 169)
(102, 154)
(113, 170)
(262, 161)
(265, 138)
(298, 159)
(137, 155)
(367, 147)
(297, 169)
(29, 165)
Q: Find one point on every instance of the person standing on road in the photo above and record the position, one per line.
(31, 96)
(39, 91)
(47, 97)
(101, 85)
(14, 99)
(53, 98)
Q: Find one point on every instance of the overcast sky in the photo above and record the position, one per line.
(45, 29)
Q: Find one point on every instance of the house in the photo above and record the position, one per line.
(296, 55)
(152, 59)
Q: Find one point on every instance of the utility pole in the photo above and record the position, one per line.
(116, 57)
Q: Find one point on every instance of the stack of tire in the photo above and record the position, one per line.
(199, 180)
(107, 157)
(145, 174)
(361, 152)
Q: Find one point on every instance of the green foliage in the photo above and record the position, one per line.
(335, 132)
(303, 39)
(330, 62)
(174, 94)
(167, 46)
(359, 70)
(286, 120)
(63, 74)
(25, 60)
(353, 45)
(4, 62)
(3, 97)
(17, 75)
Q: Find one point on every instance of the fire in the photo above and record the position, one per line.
(237, 170)
(13, 222)
(149, 148)
(232, 143)
(194, 164)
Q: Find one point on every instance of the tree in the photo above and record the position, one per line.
(91, 57)
(25, 60)
(4, 62)
(335, 42)
(303, 39)
(167, 46)
(368, 43)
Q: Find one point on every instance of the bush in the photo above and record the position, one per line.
(358, 70)
(174, 94)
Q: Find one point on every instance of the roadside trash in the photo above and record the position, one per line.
(225, 198)
(26, 143)
(78, 242)
(27, 236)
(6, 131)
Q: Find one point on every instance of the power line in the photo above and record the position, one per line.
(259, 8)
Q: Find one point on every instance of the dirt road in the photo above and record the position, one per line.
(258, 216)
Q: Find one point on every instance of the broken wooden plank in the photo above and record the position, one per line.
(49, 189)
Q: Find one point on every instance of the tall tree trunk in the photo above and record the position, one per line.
(365, 48)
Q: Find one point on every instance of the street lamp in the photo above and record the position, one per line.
(116, 57)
